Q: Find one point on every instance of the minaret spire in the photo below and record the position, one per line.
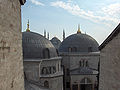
(48, 36)
(78, 32)
(44, 33)
(63, 34)
(28, 29)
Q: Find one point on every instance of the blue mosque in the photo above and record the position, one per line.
(31, 61)
(54, 65)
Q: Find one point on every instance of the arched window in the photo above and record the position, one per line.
(44, 70)
(80, 63)
(87, 64)
(46, 84)
(54, 69)
(46, 53)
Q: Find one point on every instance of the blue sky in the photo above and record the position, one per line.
(97, 18)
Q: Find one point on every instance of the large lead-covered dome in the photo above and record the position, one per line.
(36, 46)
(79, 43)
(56, 42)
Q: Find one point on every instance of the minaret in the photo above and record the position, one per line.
(44, 33)
(28, 29)
(63, 34)
(78, 32)
(48, 36)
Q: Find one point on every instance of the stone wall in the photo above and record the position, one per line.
(110, 65)
(72, 61)
(33, 71)
(78, 78)
(11, 62)
(55, 83)
(92, 61)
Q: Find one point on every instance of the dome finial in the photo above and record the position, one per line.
(28, 29)
(78, 29)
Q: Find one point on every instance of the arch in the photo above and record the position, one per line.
(46, 53)
(44, 70)
(87, 65)
(80, 63)
(46, 84)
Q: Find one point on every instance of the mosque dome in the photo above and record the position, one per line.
(56, 42)
(55, 39)
(37, 46)
(79, 43)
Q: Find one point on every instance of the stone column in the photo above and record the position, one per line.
(11, 59)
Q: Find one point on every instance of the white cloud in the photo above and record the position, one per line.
(69, 1)
(36, 2)
(112, 10)
(104, 16)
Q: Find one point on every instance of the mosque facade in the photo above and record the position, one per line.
(72, 64)
(54, 65)
(80, 59)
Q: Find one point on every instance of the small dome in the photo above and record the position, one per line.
(36, 46)
(79, 43)
(56, 42)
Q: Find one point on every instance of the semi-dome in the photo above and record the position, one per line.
(37, 46)
(79, 43)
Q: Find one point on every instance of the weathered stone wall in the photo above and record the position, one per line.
(78, 78)
(92, 59)
(110, 65)
(11, 62)
(55, 83)
(72, 61)
(33, 71)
